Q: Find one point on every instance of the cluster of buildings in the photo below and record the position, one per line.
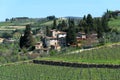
(57, 40)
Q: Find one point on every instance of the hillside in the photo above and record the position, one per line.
(18, 22)
(21, 23)
(47, 72)
(50, 22)
(114, 23)
(30, 71)
(36, 22)
(104, 55)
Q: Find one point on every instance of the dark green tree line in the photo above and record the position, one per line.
(99, 25)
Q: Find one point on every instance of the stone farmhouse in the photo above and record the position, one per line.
(56, 40)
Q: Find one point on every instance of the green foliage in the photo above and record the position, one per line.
(114, 23)
(46, 72)
(54, 24)
(47, 31)
(2, 60)
(104, 21)
(6, 35)
(83, 25)
(99, 25)
(89, 22)
(71, 33)
(51, 17)
(10, 53)
(53, 52)
(111, 37)
(24, 50)
(27, 41)
(62, 26)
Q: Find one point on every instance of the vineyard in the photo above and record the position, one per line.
(105, 55)
(30, 71)
(46, 72)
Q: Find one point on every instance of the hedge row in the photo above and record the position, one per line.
(79, 65)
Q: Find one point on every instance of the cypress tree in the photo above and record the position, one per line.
(84, 18)
(71, 33)
(54, 24)
(99, 28)
(83, 26)
(89, 21)
(105, 23)
(47, 31)
(27, 41)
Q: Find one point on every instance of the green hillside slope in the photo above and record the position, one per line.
(115, 23)
(46, 72)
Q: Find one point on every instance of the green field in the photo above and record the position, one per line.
(105, 55)
(46, 72)
(115, 23)
(15, 23)
(49, 23)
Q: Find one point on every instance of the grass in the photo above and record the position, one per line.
(11, 27)
(48, 23)
(46, 72)
(115, 23)
(8, 26)
(105, 55)
(6, 23)
(83, 61)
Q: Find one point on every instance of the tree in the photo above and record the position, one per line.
(105, 23)
(83, 26)
(84, 18)
(89, 21)
(6, 19)
(16, 35)
(44, 40)
(64, 23)
(47, 31)
(71, 33)
(51, 17)
(62, 26)
(27, 41)
(54, 24)
(99, 29)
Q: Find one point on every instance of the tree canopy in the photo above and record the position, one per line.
(71, 33)
(27, 41)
